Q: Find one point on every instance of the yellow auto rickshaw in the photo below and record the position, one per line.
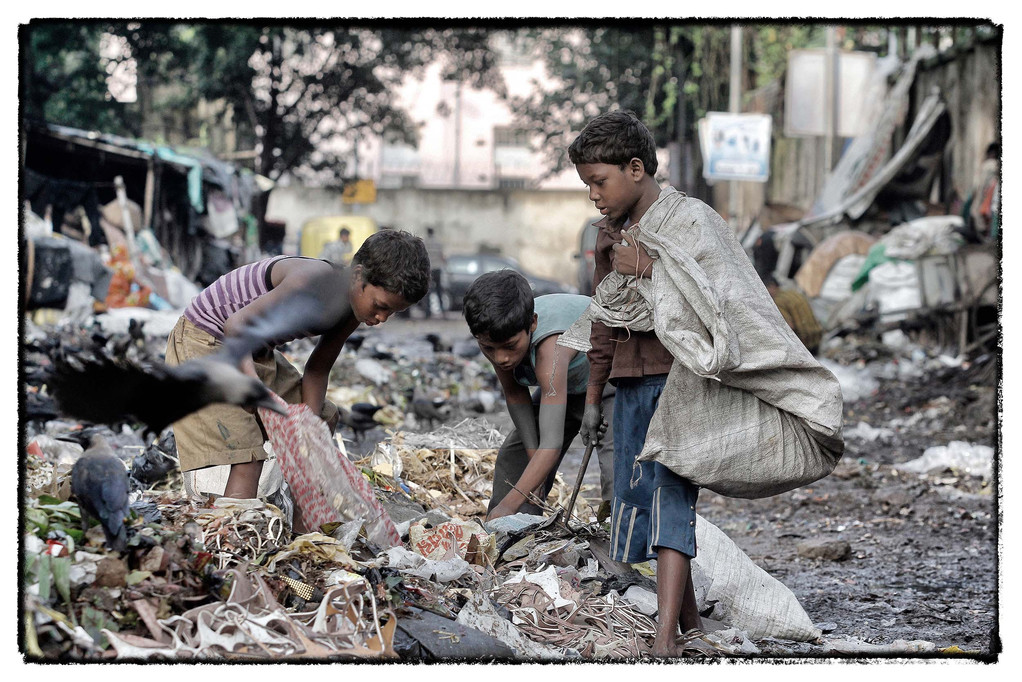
(317, 232)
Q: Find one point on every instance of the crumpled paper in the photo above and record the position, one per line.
(480, 614)
(546, 579)
(321, 548)
(415, 564)
(463, 539)
(251, 625)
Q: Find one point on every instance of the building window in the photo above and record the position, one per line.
(506, 136)
(511, 183)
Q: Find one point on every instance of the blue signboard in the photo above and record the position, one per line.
(735, 146)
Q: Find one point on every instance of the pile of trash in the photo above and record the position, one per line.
(227, 579)
(221, 579)
(451, 469)
(899, 396)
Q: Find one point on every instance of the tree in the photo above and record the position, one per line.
(309, 94)
(301, 94)
(64, 77)
(670, 75)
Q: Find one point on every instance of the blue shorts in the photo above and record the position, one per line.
(660, 510)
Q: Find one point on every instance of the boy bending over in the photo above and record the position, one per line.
(389, 273)
(518, 335)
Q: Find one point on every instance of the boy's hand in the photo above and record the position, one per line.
(499, 511)
(593, 427)
(247, 366)
(630, 258)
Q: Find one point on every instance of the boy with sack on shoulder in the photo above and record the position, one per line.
(713, 388)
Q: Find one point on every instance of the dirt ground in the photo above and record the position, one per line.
(923, 563)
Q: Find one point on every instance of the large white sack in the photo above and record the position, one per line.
(744, 595)
(894, 286)
(737, 445)
(747, 411)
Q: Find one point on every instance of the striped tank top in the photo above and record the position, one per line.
(210, 309)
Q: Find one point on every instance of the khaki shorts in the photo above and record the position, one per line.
(226, 434)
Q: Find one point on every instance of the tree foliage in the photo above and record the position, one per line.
(63, 78)
(669, 74)
(301, 94)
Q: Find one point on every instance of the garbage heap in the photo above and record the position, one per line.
(226, 579)
(215, 578)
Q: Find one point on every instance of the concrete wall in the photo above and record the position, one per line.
(538, 227)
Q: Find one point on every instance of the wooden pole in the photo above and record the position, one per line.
(129, 228)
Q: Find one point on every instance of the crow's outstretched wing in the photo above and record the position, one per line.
(292, 318)
(104, 392)
(107, 391)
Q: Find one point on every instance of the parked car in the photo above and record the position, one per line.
(586, 256)
(462, 270)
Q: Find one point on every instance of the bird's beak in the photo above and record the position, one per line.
(272, 405)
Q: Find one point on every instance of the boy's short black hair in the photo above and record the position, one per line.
(615, 137)
(345, 232)
(499, 304)
(396, 261)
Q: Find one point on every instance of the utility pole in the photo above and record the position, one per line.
(830, 112)
(679, 158)
(735, 106)
(457, 133)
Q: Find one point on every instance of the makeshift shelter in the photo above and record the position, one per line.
(190, 200)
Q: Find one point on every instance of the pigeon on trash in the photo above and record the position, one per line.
(360, 418)
(354, 341)
(135, 331)
(430, 410)
(467, 348)
(158, 460)
(381, 352)
(435, 410)
(99, 482)
(108, 391)
(438, 343)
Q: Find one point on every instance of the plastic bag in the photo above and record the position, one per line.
(743, 594)
(453, 538)
(974, 459)
(324, 484)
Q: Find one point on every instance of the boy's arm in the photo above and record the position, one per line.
(519, 407)
(601, 355)
(552, 372)
(297, 281)
(317, 369)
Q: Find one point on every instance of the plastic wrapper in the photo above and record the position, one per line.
(324, 484)
(453, 538)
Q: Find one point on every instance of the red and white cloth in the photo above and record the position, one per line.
(326, 486)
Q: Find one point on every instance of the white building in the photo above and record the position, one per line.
(467, 140)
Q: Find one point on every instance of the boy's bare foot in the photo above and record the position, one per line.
(665, 647)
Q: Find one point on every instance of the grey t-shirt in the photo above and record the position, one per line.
(554, 314)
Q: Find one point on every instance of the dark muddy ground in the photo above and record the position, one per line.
(923, 562)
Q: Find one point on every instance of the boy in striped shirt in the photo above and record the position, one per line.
(389, 273)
